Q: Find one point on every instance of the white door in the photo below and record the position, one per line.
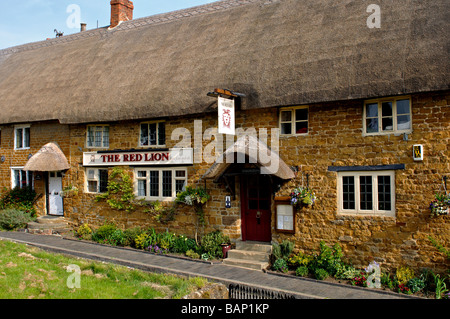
(55, 199)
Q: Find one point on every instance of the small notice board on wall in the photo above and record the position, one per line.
(285, 215)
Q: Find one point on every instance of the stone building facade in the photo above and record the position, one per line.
(356, 152)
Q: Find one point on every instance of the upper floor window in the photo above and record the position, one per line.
(98, 136)
(22, 137)
(153, 134)
(294, 121)
(386, 116)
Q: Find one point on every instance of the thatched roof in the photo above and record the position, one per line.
(249, 149)
(277, 52)
(50, 158)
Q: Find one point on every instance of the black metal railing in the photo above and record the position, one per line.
(247, 292)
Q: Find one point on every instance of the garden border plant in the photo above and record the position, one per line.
(209, 247)
(329, 262)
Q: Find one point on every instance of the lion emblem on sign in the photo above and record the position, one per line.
(226, 118)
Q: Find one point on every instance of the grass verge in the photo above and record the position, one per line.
(30, 273)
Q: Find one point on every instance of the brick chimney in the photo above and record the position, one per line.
(121, 10)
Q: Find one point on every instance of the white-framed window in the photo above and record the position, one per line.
(21, 178)
(153, 134)
(21, 137)
(96, 180)
(97, 136)
(294, 120)
(388, 115)
(160, 183)
(366, 193)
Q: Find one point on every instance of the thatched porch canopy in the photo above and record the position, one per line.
(250, 149)
(276, 52)
(50, 158)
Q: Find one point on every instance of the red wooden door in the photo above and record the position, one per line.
(256, 208)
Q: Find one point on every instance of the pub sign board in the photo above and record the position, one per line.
(175, 156)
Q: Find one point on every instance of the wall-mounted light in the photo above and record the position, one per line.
(2, 159)
(30, 156)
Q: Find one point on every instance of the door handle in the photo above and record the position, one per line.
(258, 215)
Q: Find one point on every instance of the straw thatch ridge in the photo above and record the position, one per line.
(50, 158)
(278, 53)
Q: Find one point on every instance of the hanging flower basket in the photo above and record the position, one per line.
(302, 197)
(440, 205)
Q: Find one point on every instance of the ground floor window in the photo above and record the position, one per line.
(96, 180)
(21, 178)
(160, 183)
(366, 193)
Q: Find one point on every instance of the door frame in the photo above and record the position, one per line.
(47, 190)
(244, 205)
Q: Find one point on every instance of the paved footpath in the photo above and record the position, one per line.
(218, 272)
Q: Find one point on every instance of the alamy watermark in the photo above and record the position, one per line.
(74, 19)
(74, 280)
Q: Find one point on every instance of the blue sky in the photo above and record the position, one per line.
(27, 21)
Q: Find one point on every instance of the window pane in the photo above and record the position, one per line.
(180, 173)
(154, 184)
(365, 187)
(301, 114)
(286, 128)
(372, 125)
(142, 173)
(179, 185)
(90, 137)
(348, 185)
(403, 107)
(387, 108)
(98, 136)
(142, 187)
(403, 122)
(27, 137)
(19, 138)
(301, 127)
(384, 193)
(103, 177)
(286, 116)
(152, 133)
(167, 184)
(387, 124)
(372, 110)
(92, 186)
(161, 133)
(144, 134)
(106, 136)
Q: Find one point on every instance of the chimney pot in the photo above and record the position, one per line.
(83, 27)
(121, 10)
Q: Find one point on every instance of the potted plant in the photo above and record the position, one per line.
(302, 197)
(440, 205)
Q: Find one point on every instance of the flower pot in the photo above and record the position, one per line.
(225, 249)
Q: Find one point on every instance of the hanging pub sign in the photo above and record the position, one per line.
(175, 156)
(226, 122)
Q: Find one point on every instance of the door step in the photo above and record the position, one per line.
(251, 255)
(49, 225)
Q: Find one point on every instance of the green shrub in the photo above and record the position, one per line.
(104, 232)
(130, 235)
(22, 199)
(182, 244)
(302, 271)
(280, 265)
(321, 274)
(328, 259)
(84, 232)
(210, 244)
(299, 259)
(116, 238)
(192, 254)
(416, 284)
(283, 250)
(11, 219)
